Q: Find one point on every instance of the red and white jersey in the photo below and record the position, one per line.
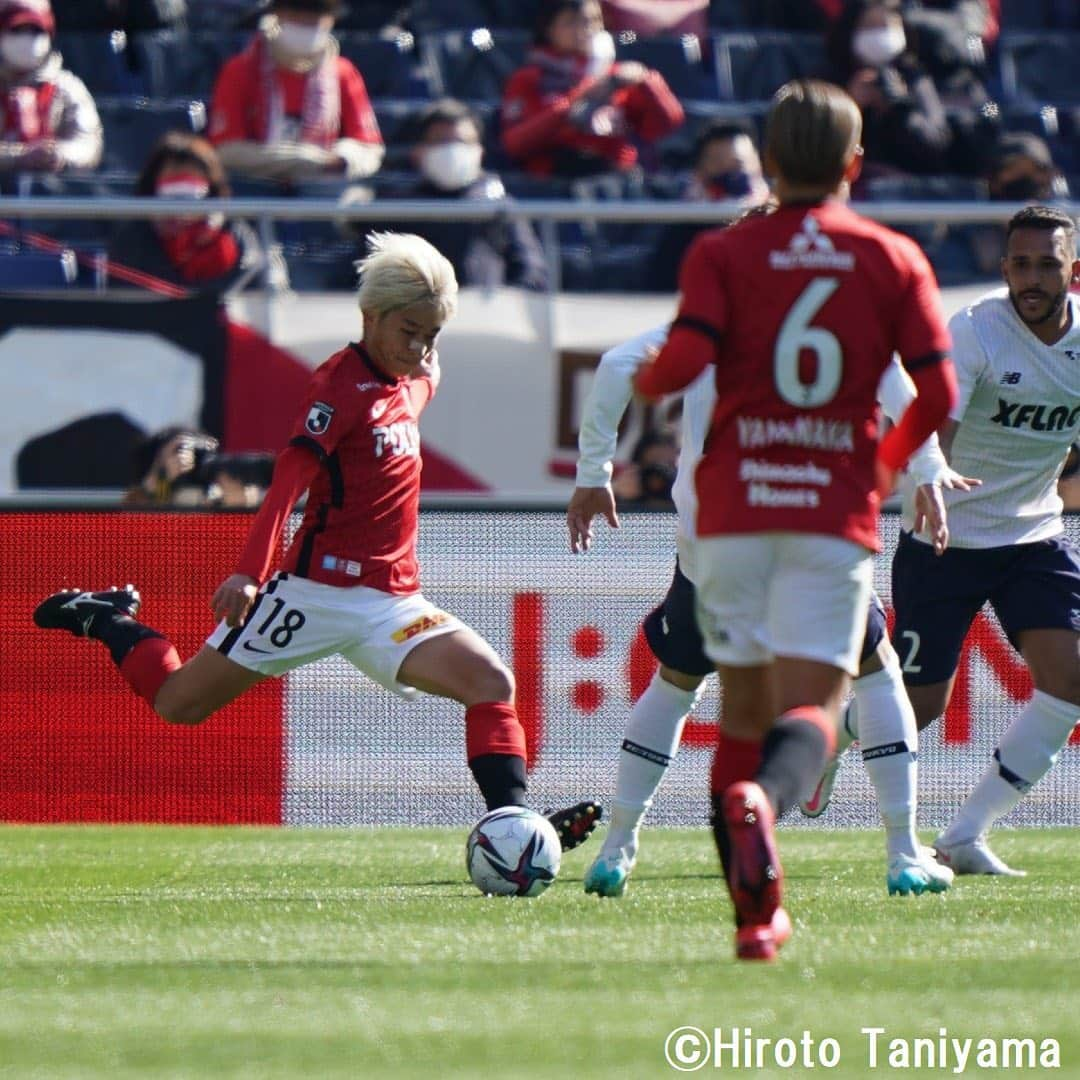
(806, 307)
(362, 511)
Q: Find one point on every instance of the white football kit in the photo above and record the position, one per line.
(1019, 412)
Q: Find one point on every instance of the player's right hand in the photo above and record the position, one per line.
(234, 598)
(585, 504)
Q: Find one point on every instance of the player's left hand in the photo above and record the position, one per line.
(234, 598)
(585, 504)
(953, 481)
(930, 516)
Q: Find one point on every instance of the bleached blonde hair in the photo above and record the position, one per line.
(402, 269)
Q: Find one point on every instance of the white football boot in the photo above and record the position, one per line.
(972, 857)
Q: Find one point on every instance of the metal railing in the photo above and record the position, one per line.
(548, 213)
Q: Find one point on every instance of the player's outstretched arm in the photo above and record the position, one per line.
(598, 434)
(294, 470)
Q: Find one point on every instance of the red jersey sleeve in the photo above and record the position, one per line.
(702, 314)
(327, 414)
(228, 109)
(357, 116)
(922, 335)
(703, 298)
(294, 470)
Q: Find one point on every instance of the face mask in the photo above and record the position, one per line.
(1023, 187)
(453, 165)
(24, 51)
(299, 39)
(601, 53)
(878, 47)
(729, 185)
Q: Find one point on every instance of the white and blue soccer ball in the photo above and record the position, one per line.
(513, 851)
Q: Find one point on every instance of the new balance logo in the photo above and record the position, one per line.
(811, 249)
(1010, 378)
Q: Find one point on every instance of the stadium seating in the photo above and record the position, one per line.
(103, 61)
(132, 126)
(180, 63)
(22, 270)
(1038, 68)
(474, 63)
(463, 14)
(751, 67)
(388, 65)
(686, 62)
(152, 81)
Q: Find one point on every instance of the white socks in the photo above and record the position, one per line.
(649, 746)
(884, 721)
(1027, 750)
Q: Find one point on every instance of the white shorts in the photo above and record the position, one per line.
(763, 595)
(295, 621)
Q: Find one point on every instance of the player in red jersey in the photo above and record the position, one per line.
(349, 583)
(800, 312)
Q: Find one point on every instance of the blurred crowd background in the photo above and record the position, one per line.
(483, 99)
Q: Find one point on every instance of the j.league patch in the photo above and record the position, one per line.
(319, 417)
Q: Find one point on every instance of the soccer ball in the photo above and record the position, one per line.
(513, 851)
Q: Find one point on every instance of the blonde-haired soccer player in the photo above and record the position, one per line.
(349, 583)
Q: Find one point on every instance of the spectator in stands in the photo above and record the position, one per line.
(904, 123)
(726, 166)
(946, 39)
(1020, 169)
(572, 111)
(197, 252)
(647, 479)
(447, 156)
(49, 121)
(130, 15)
(289, 108)
(649, 17)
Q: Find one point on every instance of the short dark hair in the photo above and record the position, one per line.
(317, 7)
(184, 148)
(1047, 218)
(714, 131)
(549, 12)
(445, 111)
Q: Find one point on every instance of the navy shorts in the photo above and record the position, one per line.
(1029, 586)
(671, 629)
(672, 632)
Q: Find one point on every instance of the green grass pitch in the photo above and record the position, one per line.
(146, 952)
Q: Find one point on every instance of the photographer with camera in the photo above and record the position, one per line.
(181, 467)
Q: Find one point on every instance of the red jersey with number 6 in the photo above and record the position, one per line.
(361, 520)
(805, 307)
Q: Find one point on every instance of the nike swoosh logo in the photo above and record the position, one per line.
(86, 598)
(253, 648)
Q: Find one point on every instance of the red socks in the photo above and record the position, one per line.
(149, 663)
(492, 727)
(734, 759)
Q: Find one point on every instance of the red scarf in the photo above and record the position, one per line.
(321, 117)
(28, 112)
(199, 252)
